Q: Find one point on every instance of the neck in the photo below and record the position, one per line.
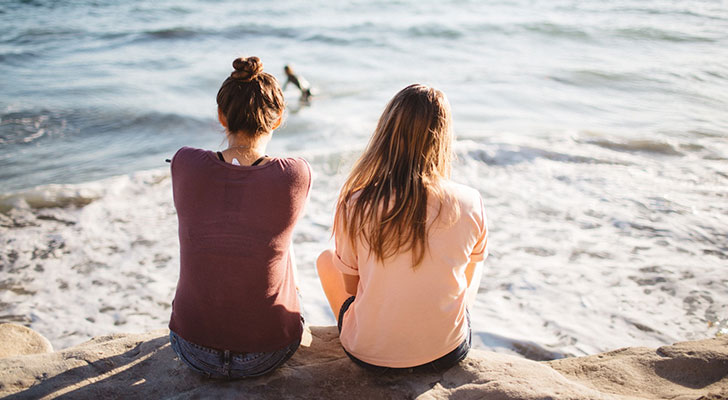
(245, 143)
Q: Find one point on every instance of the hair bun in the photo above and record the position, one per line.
(247, 69)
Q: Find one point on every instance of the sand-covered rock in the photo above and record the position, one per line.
(143, 366)
(686, 370)
(18, 340)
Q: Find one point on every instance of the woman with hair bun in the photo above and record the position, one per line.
(236, 311)
(409, 243)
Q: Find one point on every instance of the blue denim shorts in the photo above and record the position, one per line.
(224, 364)
(441, 364)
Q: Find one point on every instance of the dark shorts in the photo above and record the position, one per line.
(441, 364)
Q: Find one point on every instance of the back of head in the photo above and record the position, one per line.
(414, 134)
(409, 152)
(251, 100)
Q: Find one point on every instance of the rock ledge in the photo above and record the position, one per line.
(144, 366)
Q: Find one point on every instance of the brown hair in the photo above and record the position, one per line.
(251, 100)
(384, 199)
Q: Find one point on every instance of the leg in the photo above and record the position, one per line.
(332, 281)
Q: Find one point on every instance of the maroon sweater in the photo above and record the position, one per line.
(236, 290)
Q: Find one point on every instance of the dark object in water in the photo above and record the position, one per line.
(300, 82)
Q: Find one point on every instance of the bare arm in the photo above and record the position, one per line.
(473, 273)
(350, 283)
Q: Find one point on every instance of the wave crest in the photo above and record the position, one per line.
(53, 195)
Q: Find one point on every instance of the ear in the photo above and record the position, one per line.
(278, 122)
(221, 118)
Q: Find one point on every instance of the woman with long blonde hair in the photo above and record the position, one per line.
(409, 243)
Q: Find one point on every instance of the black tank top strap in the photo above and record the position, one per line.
(219, 155)
(258, 161)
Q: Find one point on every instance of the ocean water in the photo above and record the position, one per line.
(596, 132)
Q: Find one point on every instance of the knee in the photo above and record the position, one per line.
(325, 260)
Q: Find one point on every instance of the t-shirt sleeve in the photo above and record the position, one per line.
(309, 174)
(480, 250)
(175, 159)
(345, 258)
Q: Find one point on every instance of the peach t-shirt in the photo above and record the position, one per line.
(403, 317)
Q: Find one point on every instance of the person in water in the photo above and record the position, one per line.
(236, 311)
(409, 243)
(298, 81)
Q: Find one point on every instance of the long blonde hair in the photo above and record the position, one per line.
(384, 199)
